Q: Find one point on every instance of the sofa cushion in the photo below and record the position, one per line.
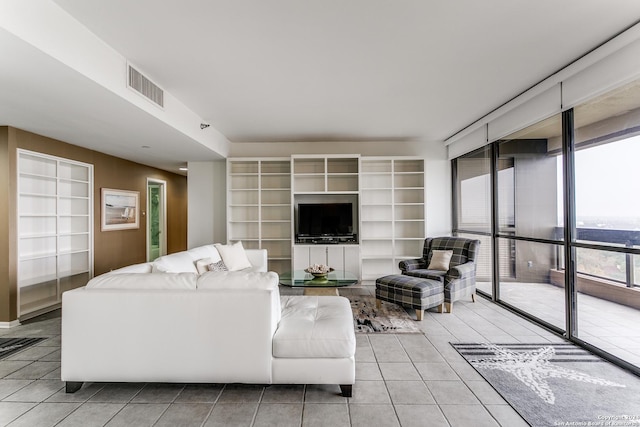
(237, 280)
(179, 262)
(315, 327)
(234, 256)
(143, 281)
(144, 267)
(205, 251)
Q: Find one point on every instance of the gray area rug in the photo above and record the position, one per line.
(558, 384)
(8, 346)
(390, 318)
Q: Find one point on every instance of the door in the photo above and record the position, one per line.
(156, 219)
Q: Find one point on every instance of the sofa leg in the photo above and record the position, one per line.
(449, 306)
(473, 297)
(72, 386)
(346, 390)
(419, 314)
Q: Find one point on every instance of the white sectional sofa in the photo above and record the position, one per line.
(164, 322)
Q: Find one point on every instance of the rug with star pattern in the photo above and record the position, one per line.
(557, 384)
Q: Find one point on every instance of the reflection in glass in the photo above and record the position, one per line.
(530, 181)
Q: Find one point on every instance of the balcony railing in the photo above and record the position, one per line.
(626, 238)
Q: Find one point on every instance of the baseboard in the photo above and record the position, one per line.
(7, 325)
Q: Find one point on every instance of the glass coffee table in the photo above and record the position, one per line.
(318, 285)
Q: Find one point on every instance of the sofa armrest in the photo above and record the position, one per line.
(257, 258)
(461, 271)
(412, 264)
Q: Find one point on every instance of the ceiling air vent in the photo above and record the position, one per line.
(145, 87)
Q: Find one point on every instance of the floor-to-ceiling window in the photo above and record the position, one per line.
(529, 193)
(473, 212)
(513, 194)
(607, 199)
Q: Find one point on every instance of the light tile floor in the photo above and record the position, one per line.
(401, 380)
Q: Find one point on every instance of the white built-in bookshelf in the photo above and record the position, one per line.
(55, 228)
(391, 202)
(259, 207)
(392, 213)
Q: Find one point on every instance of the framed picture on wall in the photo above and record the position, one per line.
(120, 209)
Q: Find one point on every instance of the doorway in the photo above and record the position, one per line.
(156, 218)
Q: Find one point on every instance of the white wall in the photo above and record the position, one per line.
(207, 181)
(206, 215)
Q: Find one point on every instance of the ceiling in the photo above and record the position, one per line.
(290, 70)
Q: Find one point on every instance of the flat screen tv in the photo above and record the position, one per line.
(325, 219)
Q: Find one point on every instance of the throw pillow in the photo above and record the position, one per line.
(203, 264)
(217, 266)
(440, 260)
(234, 256)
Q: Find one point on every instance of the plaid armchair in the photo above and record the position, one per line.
(460, 280)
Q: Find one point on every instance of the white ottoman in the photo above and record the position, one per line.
(315, 342)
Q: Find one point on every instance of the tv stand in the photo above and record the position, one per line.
(338, 256)
(327, 240)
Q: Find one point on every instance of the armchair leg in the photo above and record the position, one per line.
(419, 314)
(473, 297)
(449, 306)
(441, 308)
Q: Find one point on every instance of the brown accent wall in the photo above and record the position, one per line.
(112, 249)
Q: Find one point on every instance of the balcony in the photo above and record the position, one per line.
(608, 295)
